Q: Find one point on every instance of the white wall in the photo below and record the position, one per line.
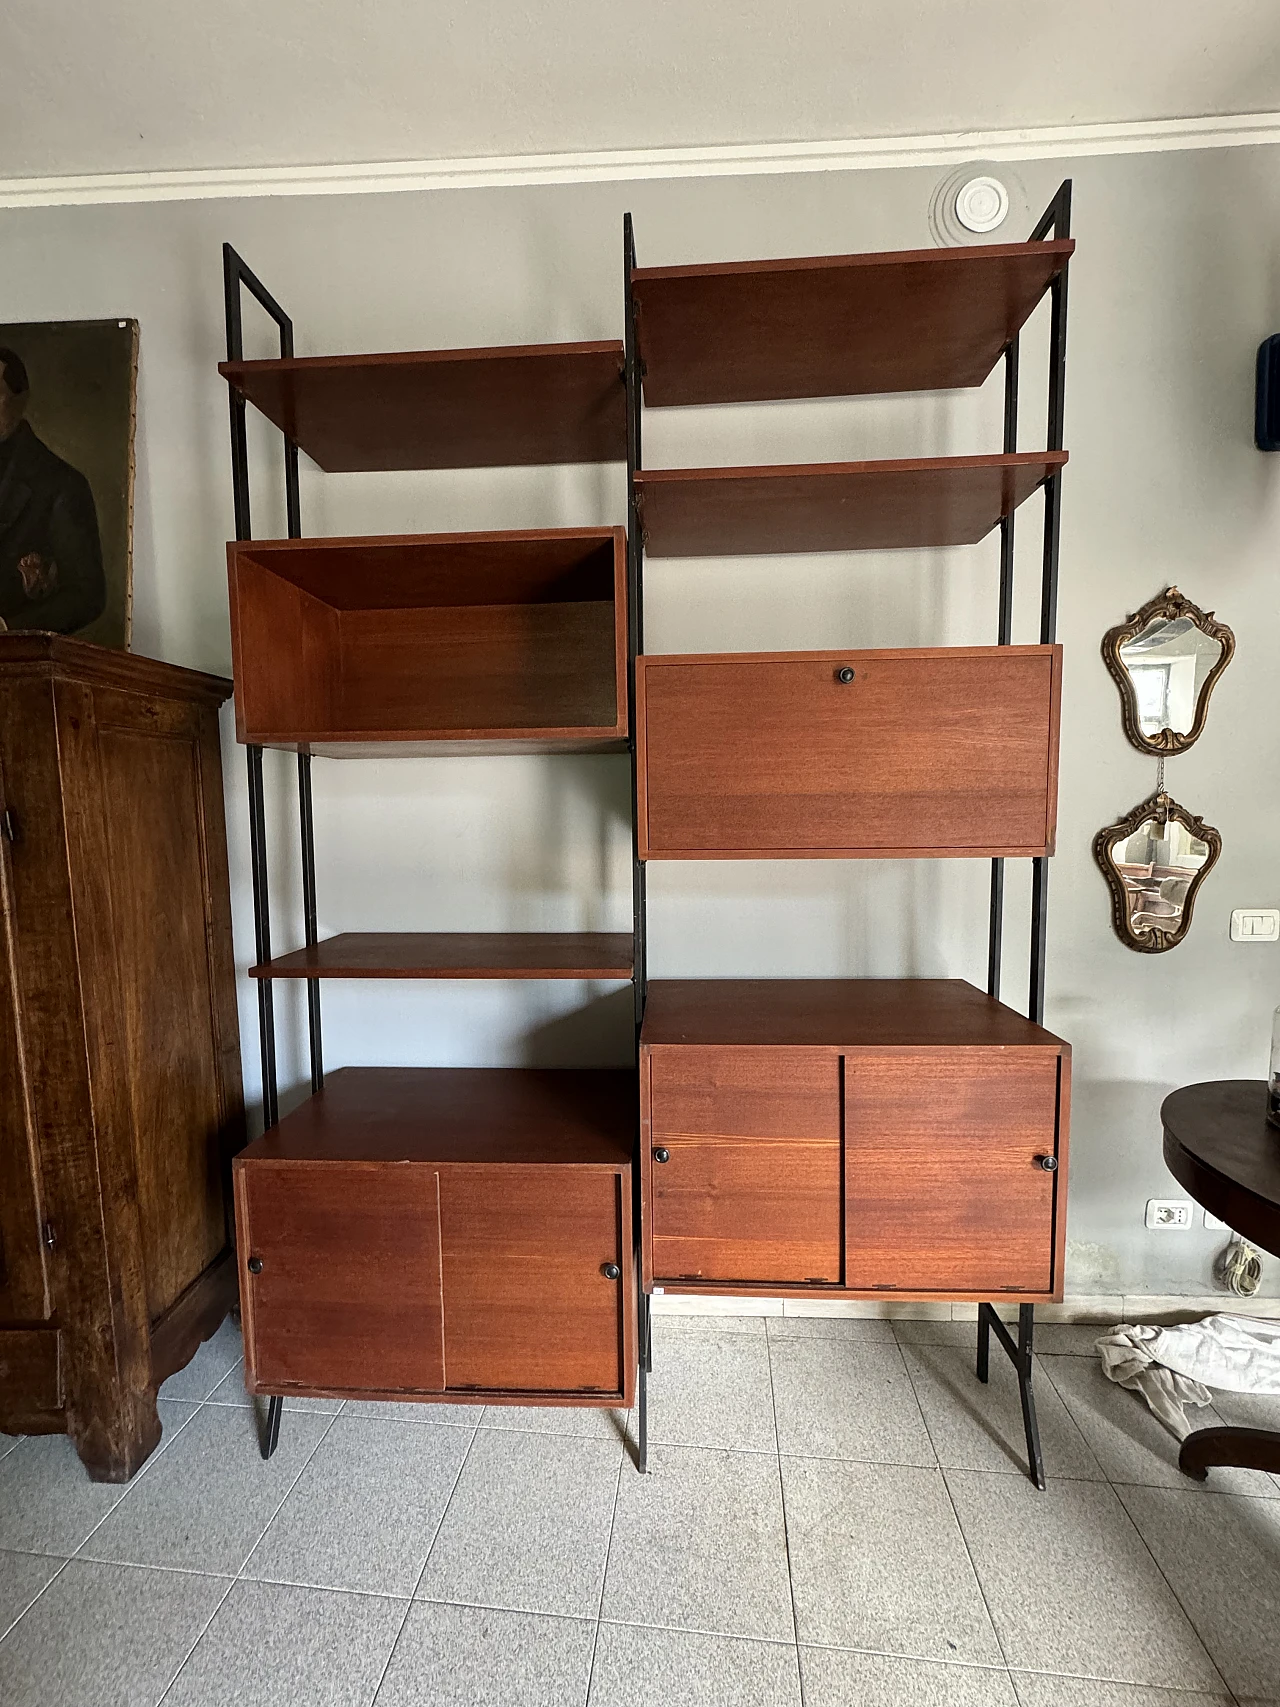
(1177, 278)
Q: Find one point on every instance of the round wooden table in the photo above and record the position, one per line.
(1219, 1145)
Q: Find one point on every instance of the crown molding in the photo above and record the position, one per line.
(623, 165)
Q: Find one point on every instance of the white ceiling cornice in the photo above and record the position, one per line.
(1148, 136)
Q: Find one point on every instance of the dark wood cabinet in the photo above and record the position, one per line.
(930, 753)
(418, 1233)
(120, 1095)
(907, 1139)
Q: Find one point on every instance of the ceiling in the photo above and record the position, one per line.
(101, 86)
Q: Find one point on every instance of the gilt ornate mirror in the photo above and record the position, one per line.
(1154, 862)
(1166, 660)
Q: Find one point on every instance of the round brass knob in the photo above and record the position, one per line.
(611, 1271)
(662, 1155)
(844, 675)
(1048, 1163)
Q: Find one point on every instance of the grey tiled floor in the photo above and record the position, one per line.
(835, 1515)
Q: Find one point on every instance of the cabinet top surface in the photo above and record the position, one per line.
(836, 325)
(513, 405)
(460, 1114)
(106, 666)
(835, 1013)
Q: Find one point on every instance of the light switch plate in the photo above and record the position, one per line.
(1214, 1224)
(1255, 924)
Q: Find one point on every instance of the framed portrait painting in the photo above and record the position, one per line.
(68, 392)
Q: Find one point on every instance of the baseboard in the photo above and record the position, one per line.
(1105, 1309)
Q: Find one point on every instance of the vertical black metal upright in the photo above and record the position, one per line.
(635, 645)
(1056, 223)
(236, 276)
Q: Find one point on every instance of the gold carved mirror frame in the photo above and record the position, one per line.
(1172, 894)
(1168, 606)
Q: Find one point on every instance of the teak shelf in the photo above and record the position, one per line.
(509, 406)
(839, 506)
(836, 325)
(506, 642)
(458, 954)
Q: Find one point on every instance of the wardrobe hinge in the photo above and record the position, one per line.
(9, 824)
(50, 1236)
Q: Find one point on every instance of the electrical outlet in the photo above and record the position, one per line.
(1168, 1212)
(1214, 1225)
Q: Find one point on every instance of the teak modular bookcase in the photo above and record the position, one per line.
(496, 1235)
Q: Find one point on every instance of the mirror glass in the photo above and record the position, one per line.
(1168, 662)
(1157, 865)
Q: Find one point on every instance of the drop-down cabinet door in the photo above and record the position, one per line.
(743, 1166)
(340, 1271)
(952, 1175)
(928, 753)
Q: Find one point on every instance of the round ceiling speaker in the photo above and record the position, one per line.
(974, 205)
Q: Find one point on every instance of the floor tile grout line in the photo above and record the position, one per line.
(1225, 1689)
(1178, 1600)
(604, 1575)
(413, 1598)
(149, 1464)
(204, 1629)
(301, 1471)
(786, 1528)
(964, 1539)
(10, 1628)
(1112, 1485)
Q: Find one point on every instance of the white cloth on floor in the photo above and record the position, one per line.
(1175, 1367)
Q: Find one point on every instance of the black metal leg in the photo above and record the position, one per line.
(270, 1437)
(646, 1316)
(642, 1420)
(1020, 1355)
(1026, 1326)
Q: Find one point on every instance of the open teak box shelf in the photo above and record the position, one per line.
(503, 642)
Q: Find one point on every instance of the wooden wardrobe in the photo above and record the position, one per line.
(120, 1095)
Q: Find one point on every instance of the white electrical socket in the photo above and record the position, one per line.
(1214, 1225)
(1168, 1212)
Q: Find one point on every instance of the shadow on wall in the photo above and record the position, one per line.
(599, 1034)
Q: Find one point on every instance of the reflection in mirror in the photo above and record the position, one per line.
(1154, 861)
(1166, 659)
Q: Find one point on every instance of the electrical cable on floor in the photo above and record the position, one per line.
(1239, 1268)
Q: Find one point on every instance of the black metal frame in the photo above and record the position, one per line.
(632, 375)
(1020, 1354)
(1054, 223)
(236, 278)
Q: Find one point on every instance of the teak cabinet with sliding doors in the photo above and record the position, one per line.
(427, 1233)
